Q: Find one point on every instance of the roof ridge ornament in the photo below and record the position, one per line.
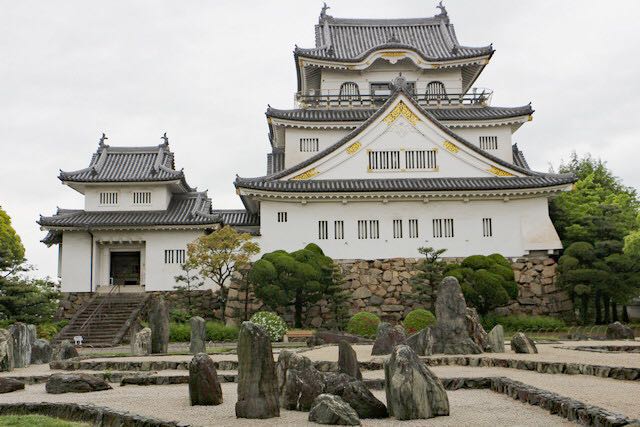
(165, 140)
(399, 83)
(323, 11)
(103, 138)
(393, 38)
(443, 11)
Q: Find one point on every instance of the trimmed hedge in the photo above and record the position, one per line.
(522, 323)
(417, 320)
(363, 324)
(216, 331)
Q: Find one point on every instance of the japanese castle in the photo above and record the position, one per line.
(389, 148)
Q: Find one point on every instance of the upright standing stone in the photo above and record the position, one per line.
(141, 342)
(198, 343)
(496, 339)
(65, 350)
(387, 338)
(348, 360)
(520, 343)
(413, 391)
(422, 342)
(21, 345)
(257, 382)
(299, 382)
(356, 394)
(450, 334)
(41, 352)
(159, 324)
(618, 331)
(204, 386)
(6, 351)
(475, 329)
(32, 331)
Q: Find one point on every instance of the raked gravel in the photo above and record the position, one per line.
(468, 407)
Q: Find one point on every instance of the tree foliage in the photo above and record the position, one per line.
(430, 274)
(27, 300)
(11, 249)
(298, 279)
(188, 281)
(219, 255)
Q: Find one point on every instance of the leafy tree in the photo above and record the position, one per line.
(297, 279)
(338, 299)
(187, 282)
(27, 300)
(219, 254)
(632, 244)
(487, 282)
(430, 274)
(11, 249)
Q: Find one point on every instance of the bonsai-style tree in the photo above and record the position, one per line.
(430, 274)
(296, 279)
(219, 254)
(187, 282)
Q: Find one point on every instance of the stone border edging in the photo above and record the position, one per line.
(606, 348)
(96, 415)
(147, 365)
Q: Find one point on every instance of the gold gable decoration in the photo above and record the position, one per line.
(401, 110)
(451, 147)
(499, 172)
(353, 148)
(392, 54)
(306, 174)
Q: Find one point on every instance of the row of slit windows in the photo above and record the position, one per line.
(175, 256)
(350, 91)
(370, 229)
(393, 160)
(110, 198)
(489, 142)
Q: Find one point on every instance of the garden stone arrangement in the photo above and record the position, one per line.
(348, 361)
(198, 340)
(332, 410)
(204, 385)
(387, 338)
(75, 383)
(520, 343)
(495, 339)
(141, 342)
(159, 324)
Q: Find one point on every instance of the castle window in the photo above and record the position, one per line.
(349, 91)
(308, 145)
(420, 159)
(489, 142)
(282, 217)
(142, 197)
(413, 228)
(443, 227)
(109, 198)
(323, 230)
(384, 160)
(487, 227)
(368, 229)
(435, 91)
(338, 230)
(397, 229)
(175, 256)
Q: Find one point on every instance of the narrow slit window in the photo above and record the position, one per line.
(108, 198)
(309, 145)
(420, 159)
(397, 229)
(443, 227)
(142, 197)
(282, 217)
(338, 230)
(413, 228)
(374, 229)
(323, 230)
(489, 142)
(487, 227)
(362, 229)
(384, 160)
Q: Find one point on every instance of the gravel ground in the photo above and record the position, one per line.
(468, 407)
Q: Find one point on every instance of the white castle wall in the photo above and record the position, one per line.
(504, 151)
(160, 197)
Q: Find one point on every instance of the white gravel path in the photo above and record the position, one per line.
(468, 407)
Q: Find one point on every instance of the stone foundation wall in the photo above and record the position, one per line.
(382, 287)
(70, 303)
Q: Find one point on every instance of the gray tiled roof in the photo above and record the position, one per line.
(406, 184)
(352, 39)
(358, 115)
(189, 209)
(53, 237)
(128, 164)
(518, 157)
(237, 217)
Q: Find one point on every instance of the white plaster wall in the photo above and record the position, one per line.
(513, 223)
(383, 71)
(75, 261)
(160, 197)
(326, 138)
(503, 133)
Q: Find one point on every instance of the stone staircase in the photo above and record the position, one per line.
(105, 319)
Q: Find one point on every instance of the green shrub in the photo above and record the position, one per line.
(218, 331)
(179, 332)
(179, 315)
(417, 320)
(275, 326)
(499, 259)
(522, 323)
(477, 262)
(49, 330)
(364, 324)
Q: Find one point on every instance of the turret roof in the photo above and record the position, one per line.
(347, 40)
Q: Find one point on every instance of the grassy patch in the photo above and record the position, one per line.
(36, 420)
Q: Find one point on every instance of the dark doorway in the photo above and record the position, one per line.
(125, 268)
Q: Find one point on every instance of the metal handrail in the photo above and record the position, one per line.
(98, 309)
(482, 97)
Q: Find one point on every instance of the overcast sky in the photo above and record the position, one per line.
(204, 72)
